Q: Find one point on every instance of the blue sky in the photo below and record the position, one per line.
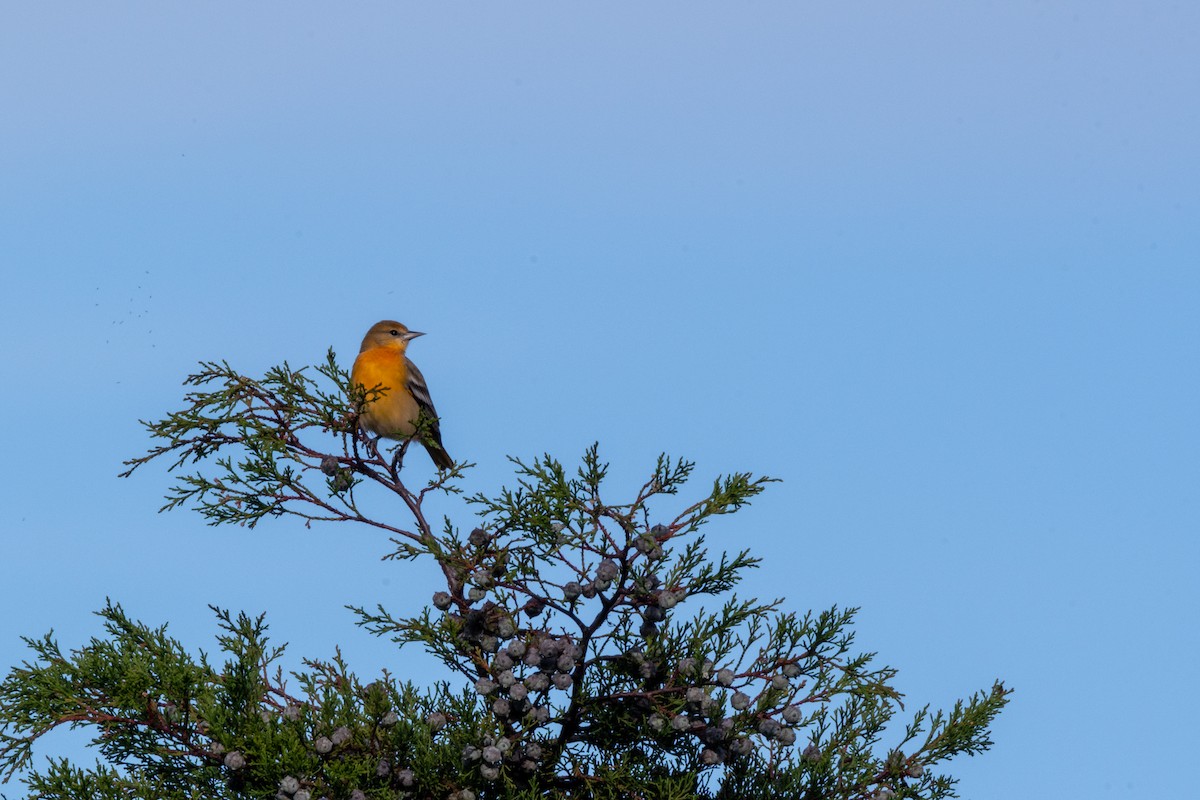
(934, 265)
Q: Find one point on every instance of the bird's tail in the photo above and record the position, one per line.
(441, 458)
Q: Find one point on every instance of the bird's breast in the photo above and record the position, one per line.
(394, 410)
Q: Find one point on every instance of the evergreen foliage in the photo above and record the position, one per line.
(593, 649)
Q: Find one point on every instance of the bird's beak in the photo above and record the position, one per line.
(408, 337)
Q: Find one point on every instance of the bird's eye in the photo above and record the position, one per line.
(394, 332)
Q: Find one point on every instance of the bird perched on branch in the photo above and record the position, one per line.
(403, 398)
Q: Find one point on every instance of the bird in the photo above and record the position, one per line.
(403, 396)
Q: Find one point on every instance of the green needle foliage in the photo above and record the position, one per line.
(593, 648)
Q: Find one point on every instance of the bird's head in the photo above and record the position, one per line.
(388, 333)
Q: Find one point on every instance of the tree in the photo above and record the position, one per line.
(593, 649)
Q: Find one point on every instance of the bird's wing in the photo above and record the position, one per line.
(415, 384)
(420, 391)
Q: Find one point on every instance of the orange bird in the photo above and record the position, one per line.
(404, 397)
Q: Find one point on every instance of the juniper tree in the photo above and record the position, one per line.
(593, 647)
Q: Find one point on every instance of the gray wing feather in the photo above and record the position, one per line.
(420, 391)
